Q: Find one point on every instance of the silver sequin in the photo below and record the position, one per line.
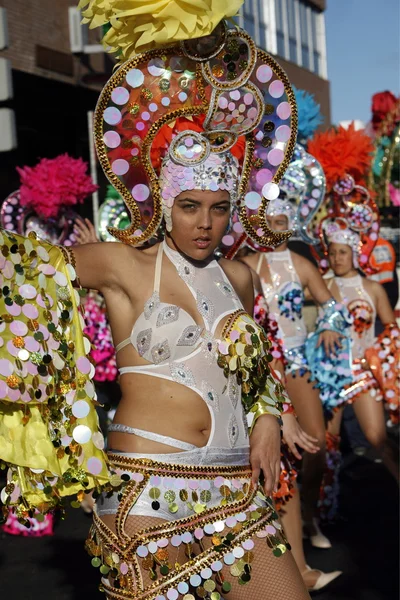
(168, 314)
(151, 305)
(210, 396)
(182, 374)
(160, 352)
(205, 307)
(143, 341)
(233, 390)
(189, 336)
(233, 431)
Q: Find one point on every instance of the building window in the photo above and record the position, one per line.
(280, 31)
(300, 34)
(315, 42)
(305, 37)
(249, 24)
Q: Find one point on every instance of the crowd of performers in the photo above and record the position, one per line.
(198, 316)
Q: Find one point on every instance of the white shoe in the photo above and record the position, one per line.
(323, 580)
(318, 539)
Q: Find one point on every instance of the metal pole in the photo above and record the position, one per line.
(93, 170)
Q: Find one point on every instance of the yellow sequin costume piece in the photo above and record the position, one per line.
(49, 436)
(140, 25)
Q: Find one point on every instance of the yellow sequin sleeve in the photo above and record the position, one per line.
(49, 435)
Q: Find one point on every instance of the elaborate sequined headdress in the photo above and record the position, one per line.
(337, 231)
(302, 187)
(349, 215)
(214, 112)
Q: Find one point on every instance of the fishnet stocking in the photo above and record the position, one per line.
(272, 578)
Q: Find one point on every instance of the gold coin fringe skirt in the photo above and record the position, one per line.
(206, 521)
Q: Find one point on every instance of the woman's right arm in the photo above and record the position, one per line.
(101, 266)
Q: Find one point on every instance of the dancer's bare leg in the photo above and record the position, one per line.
(371, 417)
(291, 520)
(308, 407)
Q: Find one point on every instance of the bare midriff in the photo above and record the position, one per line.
(160, 406)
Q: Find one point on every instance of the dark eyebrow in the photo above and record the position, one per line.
(188, 200)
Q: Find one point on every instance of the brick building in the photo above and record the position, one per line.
(52, 88)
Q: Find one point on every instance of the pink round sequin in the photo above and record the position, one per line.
(276, 89)
(270, 191)
(112, 115)
(235, 95)
(27, 291)
(156, 67)
(282, 134)
(135, 78)
(18, 328)
(263, 176)
(252, 113)
(94, 465)
(231, 106)
(238, 227)
(223, 103)
(176, 540)
(198, 533)
(14, 310)
(275, 157)
(14, 395)
(146, 116)
(140, 192)
(135, 151)
(123, 567)
(3, 389)
(153, 107)
(163, 543)
(228, 240)
(120, 95)
(252, 200)
(283, 110)
(140, 125)
(218, 481)
(80, 409)
(83, 364)
(264, 73)
(120, 166)
(248, 544)
(248, 98)
(112, 139)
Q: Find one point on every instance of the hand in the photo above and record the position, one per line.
(85, 232)
(331, 342)
(295, 436)
(265, 452)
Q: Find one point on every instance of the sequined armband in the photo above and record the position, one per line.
(244, 351)
(334, 316)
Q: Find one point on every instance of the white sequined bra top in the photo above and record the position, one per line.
(180, 350)
(285, 297)
(362, 309)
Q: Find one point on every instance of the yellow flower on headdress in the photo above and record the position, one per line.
(140, 25)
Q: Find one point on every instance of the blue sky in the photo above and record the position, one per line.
(363, 41)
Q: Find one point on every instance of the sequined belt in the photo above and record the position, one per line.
(216, 536)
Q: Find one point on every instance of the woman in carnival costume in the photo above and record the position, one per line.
(284, 276)
(177, 133)
(348, 232)
(293, 436)
(45, 203)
